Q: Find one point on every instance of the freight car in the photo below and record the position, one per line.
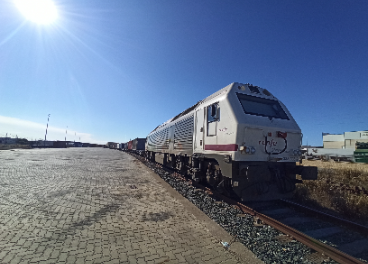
(125, 146)
(138, 145)
(130, 145)
(112, 145)
(241, 140)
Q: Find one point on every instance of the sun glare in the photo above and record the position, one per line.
(38, 11)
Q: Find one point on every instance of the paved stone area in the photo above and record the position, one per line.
(91, 205)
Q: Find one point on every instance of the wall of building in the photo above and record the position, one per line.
(333, 144)
(350, 143)
(333, 137)
(353, 135)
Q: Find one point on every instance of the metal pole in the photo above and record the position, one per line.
(66, 132)
(47, 126)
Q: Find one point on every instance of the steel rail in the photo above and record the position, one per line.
(360, 228)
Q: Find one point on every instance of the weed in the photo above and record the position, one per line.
(341, 188)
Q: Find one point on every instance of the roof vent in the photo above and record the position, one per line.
(253, 89)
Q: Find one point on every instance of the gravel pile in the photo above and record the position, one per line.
(264, 241)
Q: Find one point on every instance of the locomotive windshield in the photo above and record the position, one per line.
(262, 107)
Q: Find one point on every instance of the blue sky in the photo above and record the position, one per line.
(114, 70)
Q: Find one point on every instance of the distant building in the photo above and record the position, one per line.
(8, 140)
(41, 144)
(60, 144)
(78, 144)
(346, 140)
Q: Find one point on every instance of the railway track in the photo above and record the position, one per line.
(326, 234)
(330, 238)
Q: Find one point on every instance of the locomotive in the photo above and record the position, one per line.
(241, 140)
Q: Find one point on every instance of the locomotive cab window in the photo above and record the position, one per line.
(213, 113)
(261, 107)
(213, 116)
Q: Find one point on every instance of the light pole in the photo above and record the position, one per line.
(47, 126)
(66, 132)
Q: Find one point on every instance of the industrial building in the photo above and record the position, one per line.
(346, 140)
(8, 140)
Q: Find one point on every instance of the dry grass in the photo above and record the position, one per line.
(341, 187)
(336, 165)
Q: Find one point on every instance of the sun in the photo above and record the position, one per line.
(38, 11)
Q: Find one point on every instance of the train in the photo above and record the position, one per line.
(241, 140)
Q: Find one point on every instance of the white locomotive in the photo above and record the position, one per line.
(240, 140)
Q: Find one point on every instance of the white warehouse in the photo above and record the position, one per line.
(344, 141)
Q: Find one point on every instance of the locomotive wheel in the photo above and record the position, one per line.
(215, 178)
